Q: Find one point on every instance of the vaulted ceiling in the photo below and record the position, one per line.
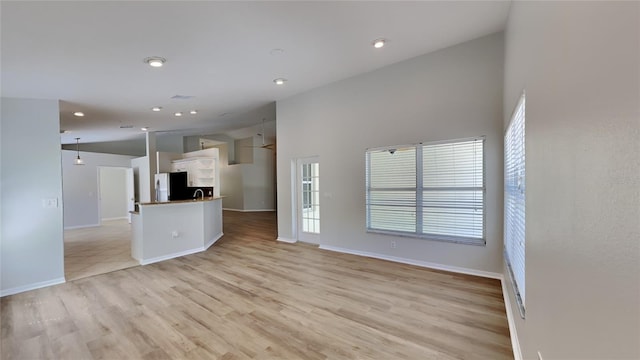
(222, 56)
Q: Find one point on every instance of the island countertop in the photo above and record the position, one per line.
(208, 198)
(175, 228)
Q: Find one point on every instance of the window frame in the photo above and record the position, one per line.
(518, 289)
(419, 193)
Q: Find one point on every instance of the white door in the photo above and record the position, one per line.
(130, 194)
(308, 200)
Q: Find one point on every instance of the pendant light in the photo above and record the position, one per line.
(77, 160)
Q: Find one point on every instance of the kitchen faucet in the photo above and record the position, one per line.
(196, 192)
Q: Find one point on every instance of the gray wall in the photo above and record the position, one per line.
(449, 94)
(244, 150)
(579, 63)
(135, 147)
(124, 147)
(81, 205)
(192, 143)
(31, 247)
(142, 179)
(258, 178)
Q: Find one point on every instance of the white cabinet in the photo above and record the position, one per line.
(200, 171)
(203, 172)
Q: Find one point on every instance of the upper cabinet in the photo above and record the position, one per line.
(202, 167)
(203, 172)
(200, 171)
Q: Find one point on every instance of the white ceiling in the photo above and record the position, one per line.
(90, 55)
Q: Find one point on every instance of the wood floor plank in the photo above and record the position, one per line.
(97, 250)
(251, 297)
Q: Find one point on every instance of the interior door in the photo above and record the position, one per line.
(131, 200)
(308, 200)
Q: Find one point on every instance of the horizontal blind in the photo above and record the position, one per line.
(391, 189)
(514, 200)
(433, 190)
(453, 189)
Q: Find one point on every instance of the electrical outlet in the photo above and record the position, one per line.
(174, 234)
(539, 355)
(394, 244)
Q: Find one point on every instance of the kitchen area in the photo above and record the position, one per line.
(178, 208)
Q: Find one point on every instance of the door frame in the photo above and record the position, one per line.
(297, 197)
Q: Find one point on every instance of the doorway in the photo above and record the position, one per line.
(308, 200)
(116, 193)
(106, 247)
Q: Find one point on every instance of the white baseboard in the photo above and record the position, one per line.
(81, 226)
(116, 218)
(515, 343)
(249, 210)
(285, 240)
(33, 286)
(213, 241)
(171, 256)
(426, 264)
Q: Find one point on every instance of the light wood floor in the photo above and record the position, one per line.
(250, 297)
(97, 250)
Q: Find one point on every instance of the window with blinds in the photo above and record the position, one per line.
(514, 201)
(432, 190)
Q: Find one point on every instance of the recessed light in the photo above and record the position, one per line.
(78, 113)
(193, 112)
(279, 81)
(178, 114)
(155, 61)
(378, 43)
(144, 128)
(156, 108)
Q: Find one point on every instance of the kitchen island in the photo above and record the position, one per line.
(165, 230)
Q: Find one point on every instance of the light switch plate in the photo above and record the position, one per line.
(50, 203)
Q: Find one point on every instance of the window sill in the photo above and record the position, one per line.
(448, 239)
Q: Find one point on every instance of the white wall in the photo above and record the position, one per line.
(113, 193)
(31, 247)
(449, 94)
(580, 65)
(80, 186)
